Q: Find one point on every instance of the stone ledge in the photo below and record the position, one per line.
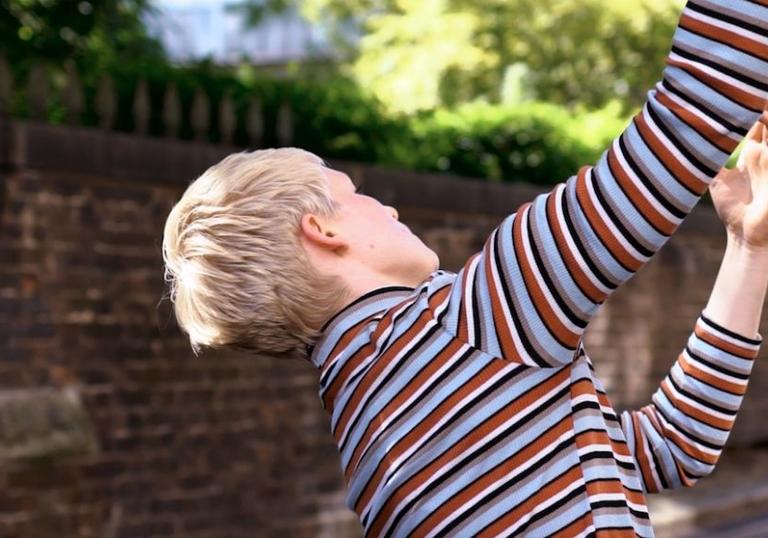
(44, 423)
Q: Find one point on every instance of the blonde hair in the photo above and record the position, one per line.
(238, 275)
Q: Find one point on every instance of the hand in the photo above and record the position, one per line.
(741, 195)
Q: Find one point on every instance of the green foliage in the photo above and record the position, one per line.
(421, 54)
(94, 32)
(537, 143)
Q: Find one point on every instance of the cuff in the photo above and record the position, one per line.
(726, 339)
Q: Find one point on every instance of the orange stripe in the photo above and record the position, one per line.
(723, 142)
(575, 528)
(583, 281)
(474, 436)
(750, 100)
(743, 352)
(691, 411)
(382, 362)
(330, 394)
(503, 329)
(505, 468)
(548, 316)
(662, 152)
(414, 385)
(530, 504)
(733, 39)
(639, 200)
(599, 227)
(445, 407)
(642, 457)
(717, 382)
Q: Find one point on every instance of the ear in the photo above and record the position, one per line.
(318, 231)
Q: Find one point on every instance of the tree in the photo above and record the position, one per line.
(94, 32)
(419, 54)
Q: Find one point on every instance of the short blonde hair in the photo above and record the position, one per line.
(238, 275)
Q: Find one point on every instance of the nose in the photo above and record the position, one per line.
(394, 213)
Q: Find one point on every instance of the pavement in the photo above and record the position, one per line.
(732, 502)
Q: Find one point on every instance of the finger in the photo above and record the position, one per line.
(758, 129)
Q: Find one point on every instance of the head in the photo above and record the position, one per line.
(249, 251)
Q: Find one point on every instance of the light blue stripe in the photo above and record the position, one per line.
(470, 474)
(595, 247)
(378, 452)
(624, 207)
(546, 345)
(395, 386)
(460, 429)
(550, 252)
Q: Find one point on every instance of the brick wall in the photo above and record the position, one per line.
(222, 445)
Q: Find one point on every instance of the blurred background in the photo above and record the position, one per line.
(455, 111)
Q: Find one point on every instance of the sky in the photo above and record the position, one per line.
(193, 29)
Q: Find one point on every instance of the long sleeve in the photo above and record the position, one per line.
(678, 437)
(529, 294)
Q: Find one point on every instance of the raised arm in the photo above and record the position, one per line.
(678, 438)
(542, 274)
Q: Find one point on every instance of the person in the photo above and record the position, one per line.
(465, 404)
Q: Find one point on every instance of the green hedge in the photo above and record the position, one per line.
(333, 117)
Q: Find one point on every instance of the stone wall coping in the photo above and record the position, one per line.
(135, 158)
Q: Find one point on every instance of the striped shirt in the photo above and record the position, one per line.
(468, 406)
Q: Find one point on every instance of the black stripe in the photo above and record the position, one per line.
(382, 382)
(680, 146)
(467, 407)
(553, 200)
(508, 299)
(714, 366)
(547, 279)
(657, 465)
(712, 38)
(669, 85)
(741, 77)
(729, 332)
(616, 221)
(607, 455)
(699, 399)
(475, 306)
(599, 238)
(577, 240)
(461, 361)
(663, 200)
(686, 433)
(619, 504)
(549, 510)
(728, 18)
(481, 451)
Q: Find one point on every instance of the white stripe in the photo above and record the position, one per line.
(468, 296)
(540, 280)
(730, 339)
(644, 192)
(501, 481)
(693, 403)
(762, 40)
(505, 307)
(574, 251)
(395, 464)
(448, 363)
(608, 222)
(707, 369)
(719, 128)
(687, 438)
(735, 83)
(363, 401)
(452, 463)
(543, 506)
(672, 148)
